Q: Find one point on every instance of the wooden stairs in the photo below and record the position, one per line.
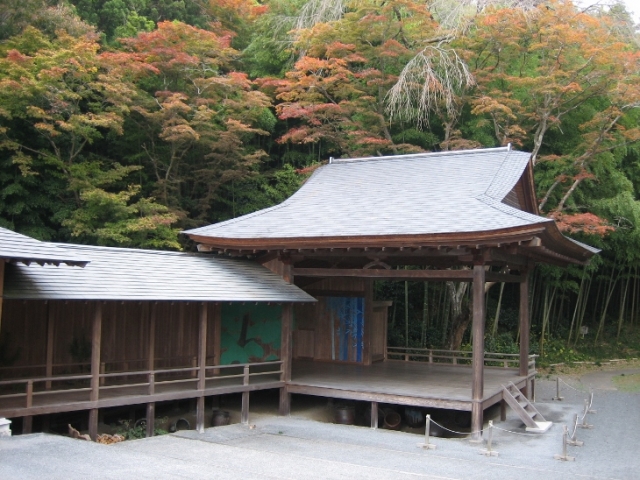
(531, 417)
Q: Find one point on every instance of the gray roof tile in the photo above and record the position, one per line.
(15, 247)
(430, 193)
(130, 274)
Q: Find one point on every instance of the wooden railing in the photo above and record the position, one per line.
(17, 371)
(109, 381)
(458, 357)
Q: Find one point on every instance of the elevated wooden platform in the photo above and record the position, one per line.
(398, 382)
(69, 395)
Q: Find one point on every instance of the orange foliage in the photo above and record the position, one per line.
(582, 223)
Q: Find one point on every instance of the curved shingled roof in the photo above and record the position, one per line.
(131, 274)
(15, 247)
(444, 198)
(430, 193)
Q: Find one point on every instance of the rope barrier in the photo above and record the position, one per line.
(517, 433)
(571, 386)
(453, 431)
(572, 440)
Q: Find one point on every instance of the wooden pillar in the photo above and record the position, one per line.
(217, 336)
(374, 415)
(202, 365)
(524, 330)
(285, 355)
(95, 368)
(368, 321)
(151, 418)
(2, 262)
(49, 353)
(477, 388)
(503, 411)
(244, 416)
(151, 354)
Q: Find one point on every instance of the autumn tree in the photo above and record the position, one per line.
(58, 97)
(335, 94)
(200, 117)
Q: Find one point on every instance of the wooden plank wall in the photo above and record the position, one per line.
(125, 335)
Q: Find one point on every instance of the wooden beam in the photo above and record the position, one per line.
(503, 278)
(435, 275)
(477, 387)
(524, 328)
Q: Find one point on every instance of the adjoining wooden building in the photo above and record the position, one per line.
(135, 327)
(464, 216)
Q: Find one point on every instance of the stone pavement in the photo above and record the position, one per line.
(298, 448)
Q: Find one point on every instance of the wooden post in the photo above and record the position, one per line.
(477, 388)
(285, 356)
(2, 262)
(374, 415)
(27, 422)
(503, 411)
(95, 352)
(151, 418)
(152, 337)
(93, 423)
(217, 336)
(49, 362)
(368, 321)
(202, 365)
(95, 368)
(524, 330)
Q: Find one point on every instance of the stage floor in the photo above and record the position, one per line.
(399, 382)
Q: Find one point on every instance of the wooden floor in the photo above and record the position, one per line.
(402, 383)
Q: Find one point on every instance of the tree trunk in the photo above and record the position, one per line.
(494, 329)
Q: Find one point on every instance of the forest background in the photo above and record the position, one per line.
(123, 122)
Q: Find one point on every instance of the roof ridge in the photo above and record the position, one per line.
(78, 246)
(423, 154)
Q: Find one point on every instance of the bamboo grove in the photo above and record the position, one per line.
(124, 121)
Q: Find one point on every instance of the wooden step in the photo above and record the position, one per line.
(525, 409)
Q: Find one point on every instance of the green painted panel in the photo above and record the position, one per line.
(250, 333)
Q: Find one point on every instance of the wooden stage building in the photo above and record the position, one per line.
(294, 309)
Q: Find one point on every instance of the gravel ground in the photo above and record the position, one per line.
(298, 448)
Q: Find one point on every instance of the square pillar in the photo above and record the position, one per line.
(477, 386)
(524, 330)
